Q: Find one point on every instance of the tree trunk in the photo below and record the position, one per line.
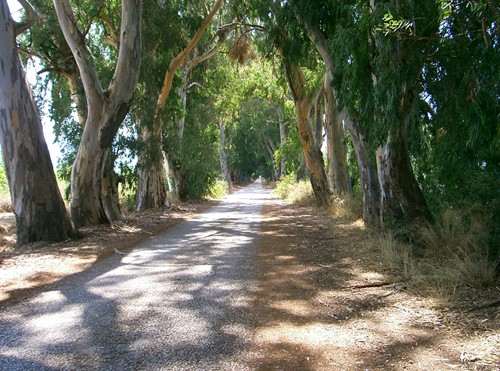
(283, 138)
(336, 151)
(36, 200)
(318, 122)
(180, 120)
(312, 154)
(151, 176)
(151, 187)
(106, 109)
(109, 191)
(401, 197)
(223, 155)
(367, 174)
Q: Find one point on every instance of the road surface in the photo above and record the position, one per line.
(181, 300)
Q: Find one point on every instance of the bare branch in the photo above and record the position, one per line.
(84, 60)
(113, 39)
(179, 59)
(31, 16)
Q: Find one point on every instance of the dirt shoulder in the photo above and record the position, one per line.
(322, 303)
(319, 306)
(25, 269)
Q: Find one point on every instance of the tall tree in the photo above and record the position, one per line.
(151, 171)
(38, 206)
(402, 48)
(312, 153)
(106, 109)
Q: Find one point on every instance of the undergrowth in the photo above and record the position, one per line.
(219, 189)
(299, 193)
(349, 208)
(445, 257)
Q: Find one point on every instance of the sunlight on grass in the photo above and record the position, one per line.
(444, 257)
(299, 193)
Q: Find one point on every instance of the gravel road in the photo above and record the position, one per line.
(179, 301)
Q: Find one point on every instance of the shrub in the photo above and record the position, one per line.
(452, 254)
(350, 208)
(300, 192)
(219, 189)
(456, 250)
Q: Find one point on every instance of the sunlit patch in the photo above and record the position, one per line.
(311, 335)
(284, 257)
(50, 297)
(294, 307)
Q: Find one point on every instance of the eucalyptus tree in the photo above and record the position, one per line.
(45, 43)
(38, 206)
(319, 20)
(304, 85)
(459, 160)
(151, 170)
(106, 108)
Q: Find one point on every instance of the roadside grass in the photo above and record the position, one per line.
(349, 208)
(219, 189)
(5, 204)
(444, 258)
(299, 193)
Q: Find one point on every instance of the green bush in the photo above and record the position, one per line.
(299, 193)
(4, 185)
(219, 189)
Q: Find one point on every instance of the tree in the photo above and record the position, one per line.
(151, 171)
(286, 36)
(38, 206)
(106, 109)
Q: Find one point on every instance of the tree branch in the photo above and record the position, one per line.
(84, 60)
(31, 16)
(113, 39)
(177, 61)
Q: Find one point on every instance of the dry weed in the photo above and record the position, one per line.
(454, 256)
(5, 204)
(347, 208)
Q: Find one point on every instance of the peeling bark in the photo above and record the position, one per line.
(401, 197)
(151, 187)
(283, 138)
(367, 169)
(38, 206)
(367, 173)
(336, 150)
(312, 154)
(223, 155)
(106, 109)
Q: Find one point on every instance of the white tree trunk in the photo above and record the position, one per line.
(36, 200)
(105, 109)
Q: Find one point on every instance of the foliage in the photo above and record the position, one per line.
(4, 184)
(296, 192)
(219, 189)
(5, 203)
(197, 156)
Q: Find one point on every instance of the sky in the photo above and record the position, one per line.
(55, 153)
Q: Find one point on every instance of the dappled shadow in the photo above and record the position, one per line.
(311, 315)
(179, 300)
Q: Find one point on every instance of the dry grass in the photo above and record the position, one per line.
(346, 209)
(453, 255)
(299, 193)
(5, 204)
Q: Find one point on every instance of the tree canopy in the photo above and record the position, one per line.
(393, 103)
